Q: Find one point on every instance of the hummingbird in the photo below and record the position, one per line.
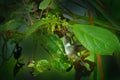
(71, 51)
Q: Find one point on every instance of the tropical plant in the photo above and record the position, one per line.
(61, 36)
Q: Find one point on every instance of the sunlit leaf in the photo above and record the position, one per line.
(44, 4)
(96, 39)
(32, 64)
(43, 65)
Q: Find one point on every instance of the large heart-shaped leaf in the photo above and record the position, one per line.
(96, 39)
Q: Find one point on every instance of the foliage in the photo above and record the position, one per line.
(96, 39)
(48, 21)
(55, 49)
(44, 4)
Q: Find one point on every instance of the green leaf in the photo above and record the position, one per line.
(42, 65)
(53, 5)
(60, 66)
(53, 44)
(36, 72)
(95, 39)
(32, 64)
(44, 4)
(10, 25)
(105, 15)
(34, 27)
